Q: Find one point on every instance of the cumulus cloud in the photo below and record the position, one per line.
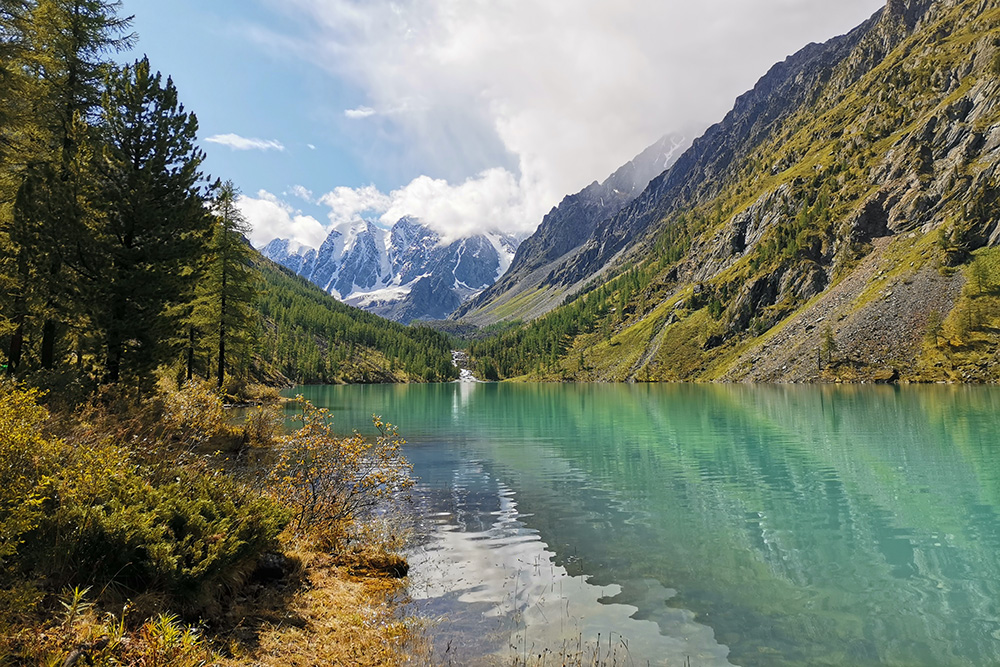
(492, 201)
(360, 112)
(348, 205)
(238, 143)
(271, 218)
(552, 93)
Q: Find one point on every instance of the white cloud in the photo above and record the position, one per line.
(542, 97)
(271, 218)
(360, 112)
(491, 201)
(303, 193)
(238, 143)
(348, 204)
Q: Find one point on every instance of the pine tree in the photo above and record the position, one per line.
(152, 225)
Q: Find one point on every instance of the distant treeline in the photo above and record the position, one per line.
(310, 337)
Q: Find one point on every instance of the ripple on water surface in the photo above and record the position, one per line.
(496, 590)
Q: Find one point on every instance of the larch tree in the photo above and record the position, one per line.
(223, 314)
(65, 62)
(13, 116)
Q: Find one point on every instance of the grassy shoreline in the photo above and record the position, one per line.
(129, 537)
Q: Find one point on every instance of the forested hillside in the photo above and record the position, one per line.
(832, 227)
(120, 259)
(309, 337)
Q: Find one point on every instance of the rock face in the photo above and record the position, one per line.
(405, 273)
(570, 224)
(709, 166)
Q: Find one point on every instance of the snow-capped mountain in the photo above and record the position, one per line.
(404, 273)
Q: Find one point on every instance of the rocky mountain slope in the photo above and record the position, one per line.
(825, 229)
(405, 273)
(561, 234)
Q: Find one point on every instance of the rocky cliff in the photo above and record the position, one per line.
(563, 231)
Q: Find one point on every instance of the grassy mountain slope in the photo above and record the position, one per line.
(826, 235)
(523, 290)
(307, 336)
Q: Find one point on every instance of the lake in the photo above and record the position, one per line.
(701, 525)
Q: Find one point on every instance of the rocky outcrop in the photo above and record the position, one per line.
(567, 226)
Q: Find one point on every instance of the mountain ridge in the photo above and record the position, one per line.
(878, 148)
(378, 269)
(568, 225)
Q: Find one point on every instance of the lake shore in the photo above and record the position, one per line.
(159, 534)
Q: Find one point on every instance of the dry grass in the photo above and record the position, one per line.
(335, 618)
(304, 607)
(325, 613)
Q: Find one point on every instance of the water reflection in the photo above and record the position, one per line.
(495, 585)
(785, 525)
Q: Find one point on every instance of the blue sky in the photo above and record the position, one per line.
(469, 114)
(237, 85)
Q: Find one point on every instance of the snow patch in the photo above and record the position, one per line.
(503, 245)
(381, 296)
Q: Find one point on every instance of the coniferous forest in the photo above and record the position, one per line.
(135, 509)
(119, 255)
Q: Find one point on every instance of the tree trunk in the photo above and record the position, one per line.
(48, 344)
(190, 354)
(16, 344)
(222, 332)
(16, 350)
(114, 364)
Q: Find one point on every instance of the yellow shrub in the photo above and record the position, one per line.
(196, 413)
(22, 446)
(331, 482)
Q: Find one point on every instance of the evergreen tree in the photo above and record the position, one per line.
(13, 82)
(151, 226)
(65, 44)
(15, 121)
(228, 287)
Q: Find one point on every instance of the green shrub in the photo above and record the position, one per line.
(98, 514)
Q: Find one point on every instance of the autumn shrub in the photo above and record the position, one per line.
(262, 425)
(79, 633)
(23, 453)
(196, 415)
(330, 482)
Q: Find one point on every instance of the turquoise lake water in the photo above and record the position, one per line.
(774, 525)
